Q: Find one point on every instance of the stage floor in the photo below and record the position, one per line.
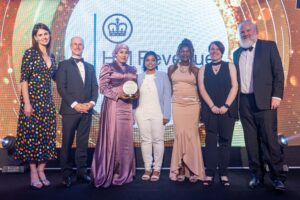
(16, 186)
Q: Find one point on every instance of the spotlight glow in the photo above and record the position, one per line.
(284, 140)
(8, 142)
(3, 141)
(10, 70)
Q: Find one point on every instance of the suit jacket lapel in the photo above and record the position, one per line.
(257, 54)
(141, 78)
(86, 73)
(236, 62)
(237, 58)
(158, 80)
(76, 69)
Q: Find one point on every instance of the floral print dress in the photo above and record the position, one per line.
(36, 134)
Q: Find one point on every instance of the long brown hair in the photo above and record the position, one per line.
(35, 44)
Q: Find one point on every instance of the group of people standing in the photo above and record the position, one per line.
(250, 89)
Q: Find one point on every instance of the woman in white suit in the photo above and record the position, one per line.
(152, 114)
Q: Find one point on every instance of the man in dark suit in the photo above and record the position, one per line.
(78, 88)
(261, 81)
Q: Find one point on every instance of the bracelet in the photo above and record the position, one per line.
(212, 106)
(226, 106)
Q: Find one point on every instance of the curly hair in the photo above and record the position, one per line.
(186, 43)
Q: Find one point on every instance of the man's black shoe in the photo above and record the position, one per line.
(84, 178)
(255, 182)
(278, 185)
(67, 182)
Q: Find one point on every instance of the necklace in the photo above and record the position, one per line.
(216, 68)
(183, 69)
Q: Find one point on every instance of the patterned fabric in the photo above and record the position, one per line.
(36, 134)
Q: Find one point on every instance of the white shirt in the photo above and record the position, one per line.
(80, 66)
(149, 106)
(246, 70)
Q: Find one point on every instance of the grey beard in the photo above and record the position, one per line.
(247, 42)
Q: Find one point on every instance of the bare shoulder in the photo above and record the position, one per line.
(202, 68)
(231, 65)
(232, 69)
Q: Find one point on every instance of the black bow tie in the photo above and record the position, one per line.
(248, 49)
(77, 60)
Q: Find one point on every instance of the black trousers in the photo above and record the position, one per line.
(78, 124)
(219, 130)
(260, 131)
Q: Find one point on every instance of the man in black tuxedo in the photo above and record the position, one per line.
(78, 88)
(261, 82)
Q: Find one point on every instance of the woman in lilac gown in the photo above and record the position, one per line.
(113, 161)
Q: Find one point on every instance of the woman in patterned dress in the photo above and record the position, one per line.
(36, 131)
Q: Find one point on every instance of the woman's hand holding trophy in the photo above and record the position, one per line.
(130, 89)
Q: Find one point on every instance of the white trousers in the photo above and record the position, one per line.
(152, 134)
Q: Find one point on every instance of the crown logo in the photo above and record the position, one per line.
(117, 29)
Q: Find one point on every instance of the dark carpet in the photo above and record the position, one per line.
(16, 186)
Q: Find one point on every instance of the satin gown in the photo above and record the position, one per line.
(187, 147)
(113, 160)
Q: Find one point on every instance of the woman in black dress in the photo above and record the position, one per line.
(218, 88)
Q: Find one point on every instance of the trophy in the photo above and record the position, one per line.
(130, 88)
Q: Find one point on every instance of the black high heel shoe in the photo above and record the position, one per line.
(209, 182)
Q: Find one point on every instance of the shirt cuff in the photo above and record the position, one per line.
(93, 102)
(277, 98)
(74, 104)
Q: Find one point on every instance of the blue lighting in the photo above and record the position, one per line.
(283, 140)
